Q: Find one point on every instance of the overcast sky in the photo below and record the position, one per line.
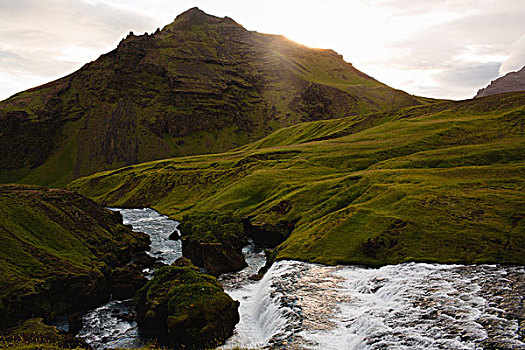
(434, 48)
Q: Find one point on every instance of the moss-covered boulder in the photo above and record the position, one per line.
(58, 252)
(183, 308)
(213, 241)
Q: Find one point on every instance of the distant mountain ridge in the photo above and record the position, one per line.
(510, 82)
(201, 84)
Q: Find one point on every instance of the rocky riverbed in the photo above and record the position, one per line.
(307, 306)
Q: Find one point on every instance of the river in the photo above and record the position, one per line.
(299, 305)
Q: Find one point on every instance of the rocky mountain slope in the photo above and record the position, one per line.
(513, 81)
(201, 84)
(441, 183)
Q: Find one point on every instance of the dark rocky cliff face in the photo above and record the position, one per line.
(202, 84)
(514, 81)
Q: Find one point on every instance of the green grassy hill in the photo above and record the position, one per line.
(202, 84)
(442, 182)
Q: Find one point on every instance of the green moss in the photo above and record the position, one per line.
(212, 227)
(34, 334)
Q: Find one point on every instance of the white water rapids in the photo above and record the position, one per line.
(298, 305)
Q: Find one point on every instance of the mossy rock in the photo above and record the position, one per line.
(183, 308)
(214, 241)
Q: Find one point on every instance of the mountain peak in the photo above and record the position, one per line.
(196, 16)
(194, 11)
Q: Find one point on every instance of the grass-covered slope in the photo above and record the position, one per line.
(58, 250)
(202, 84)
(442, 182)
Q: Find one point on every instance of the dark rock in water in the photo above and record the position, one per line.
(145, 261)
(127, 316)
(75, 323)
(125, 281)
(213, 241)
(183, 308)
(175, 235)
(216, 258)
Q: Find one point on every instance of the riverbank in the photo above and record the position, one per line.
(60, 253)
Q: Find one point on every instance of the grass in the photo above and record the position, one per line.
(436, 183)
(34, 334)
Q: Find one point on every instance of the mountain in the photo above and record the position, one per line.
(513, 81)
(201, 84)
(438, 183)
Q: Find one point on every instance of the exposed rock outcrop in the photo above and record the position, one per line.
(266, 235)
(215, 257)
(125, 281)
(513, 81)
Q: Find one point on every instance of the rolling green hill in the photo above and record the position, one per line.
(202, 84)
(442, 182)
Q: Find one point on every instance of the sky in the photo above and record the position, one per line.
(434, 48)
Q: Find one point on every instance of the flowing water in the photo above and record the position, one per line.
(408, 306)
(108, 326)
(298, 305)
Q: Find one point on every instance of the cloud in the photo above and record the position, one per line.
(516, 58)
(462, 54)
(41, 39)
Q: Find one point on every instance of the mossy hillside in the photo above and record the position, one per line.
(58, 250)
(184, 308)
(202, 84)
(441, 182)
